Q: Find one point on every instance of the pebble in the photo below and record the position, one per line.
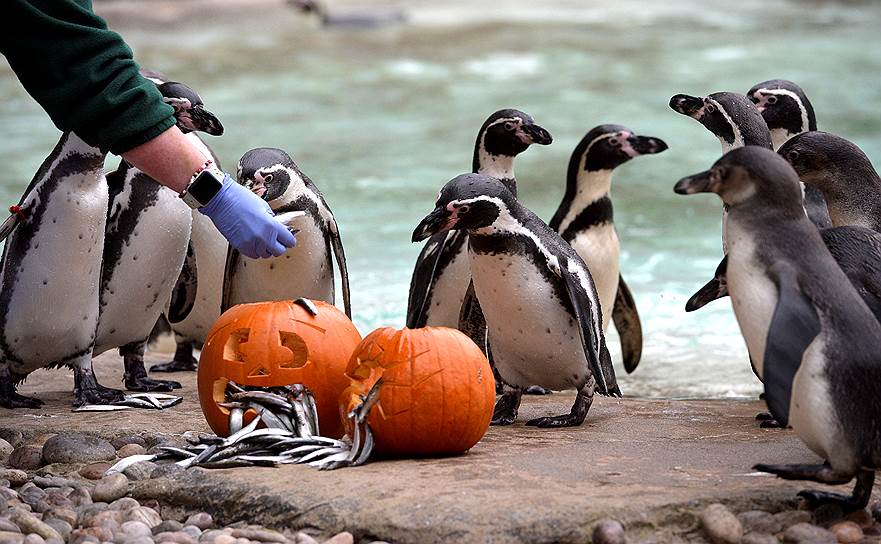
(62, 526)
(227, 539)
(144, 514)
(34, 538)
(11, 538)
(260, 535)
(178, 537)
(12, 436)
(759, 538)
(214, 534)
(130, 449)
(136, 528)
(109, 488)
(26, 457)
(139, 540)
(167, 526)
(8, 527)
(847, 532)
(28, 523)
(96, 517)
(809, 534)
(609, 531)
(5, 450)
(140, 471)
(80, 497)
(202, 520)
(758, 521)
(41, 439)
(122, 441)
(792, 517)
(193, 531)
(123, 504)
(162, 471)
(101, 534)
(64, 514)
(721, 525)
(341, 538)
(862, 518)
(16, 477)
(77, 448)
(303, 538)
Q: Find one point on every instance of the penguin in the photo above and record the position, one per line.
(305, 271)
(135, 288)
(541, 305)
(352, 21)
(809, 334)
(584, 220)
(788, 112)
(441, 276)
(841, 172)
(51, 274)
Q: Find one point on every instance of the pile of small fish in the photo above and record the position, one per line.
(150, 401)
(290, 434)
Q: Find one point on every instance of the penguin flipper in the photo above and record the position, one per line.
(232, 259)
(435, 254)
(472, 321)
(714, 289)
(8, 226)
(794, 326)
(337, 244)
(184, 295)
(589, 320)
(627, 323)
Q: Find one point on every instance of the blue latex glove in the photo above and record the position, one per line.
(247, 222)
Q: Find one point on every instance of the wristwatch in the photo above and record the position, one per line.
(204, 184)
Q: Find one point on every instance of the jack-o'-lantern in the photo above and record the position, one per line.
(267, 344)
(437, 391)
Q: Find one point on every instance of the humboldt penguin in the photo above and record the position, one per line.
(810, 336)
(584, 219)
(51, 274)
(441, 276)
(541, 305)
(135, 288)
(305, 271)
(788, 112)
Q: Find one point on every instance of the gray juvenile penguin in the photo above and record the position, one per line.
(542, 310)
(584, 219)
(811, 337)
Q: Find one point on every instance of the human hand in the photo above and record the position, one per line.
(247, 222)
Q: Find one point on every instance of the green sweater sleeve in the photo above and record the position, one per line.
(81, 73)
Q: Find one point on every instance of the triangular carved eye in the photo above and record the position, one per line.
(258, 372)
(297, 346)
(232, 350)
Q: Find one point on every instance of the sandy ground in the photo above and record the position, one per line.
(650, 463)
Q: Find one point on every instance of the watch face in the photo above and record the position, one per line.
(204, 187)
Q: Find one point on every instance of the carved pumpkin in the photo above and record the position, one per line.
(437, 391)
(273, 344)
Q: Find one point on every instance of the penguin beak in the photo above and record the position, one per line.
(643, 145)
(697, 183)
(691, 106)
(534, 134)
(205, 121)
(438, 220)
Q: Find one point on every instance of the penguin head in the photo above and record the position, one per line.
(305, 6)
(831, 163)
(468, 201)
(189, 110)
(783, 105)
(749, 174)
(268, 172)
(507, 133)
(606, 147)
(731, 117)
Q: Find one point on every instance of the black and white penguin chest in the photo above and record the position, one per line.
(588, 227)
(148, 230)
(532, 330)
(305, 270)
(52, 262)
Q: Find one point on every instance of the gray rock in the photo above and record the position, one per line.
(11, 538)
(227, 539)
(136, 528)
(29, 523)
(65, 514)
(12, 436)
(260, 535)
(341, 538)
(144, 514)
(213, 534)
(16, 477)
(62, 526)
(193, 531)
(80, 496)
(34, 538)
(9, 527)
(759, 538)
(26, 457)
(303, 538)
(140, 471)
(55, 481)
(121, 441)
(168, 526)
(792, 517)
(123, 504)
(809, 534)
(759, 522)
(77, 448)
(138, 540)
(609, 531)
(202, 520)
(109, 488)
(720, 525)
(165, 470)
(178, 537)
(97, 517)
(5, 450)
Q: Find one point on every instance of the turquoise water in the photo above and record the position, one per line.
(381, 119)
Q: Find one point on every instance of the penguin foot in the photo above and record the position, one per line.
(87, 390)
(816, 499)
(576, 415)
(768, 421)
(14, 400)
(764, 416)
(823, 474)
(536, 390)
(177, 365)
(135, 377)
(147, 385)
(505, 411)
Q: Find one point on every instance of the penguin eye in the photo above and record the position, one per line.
(267, 178)
(711, 108)
(614, 141)
(464, 208)
(772, 99)
(792, 156)
(715, 176)
(509, 126)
